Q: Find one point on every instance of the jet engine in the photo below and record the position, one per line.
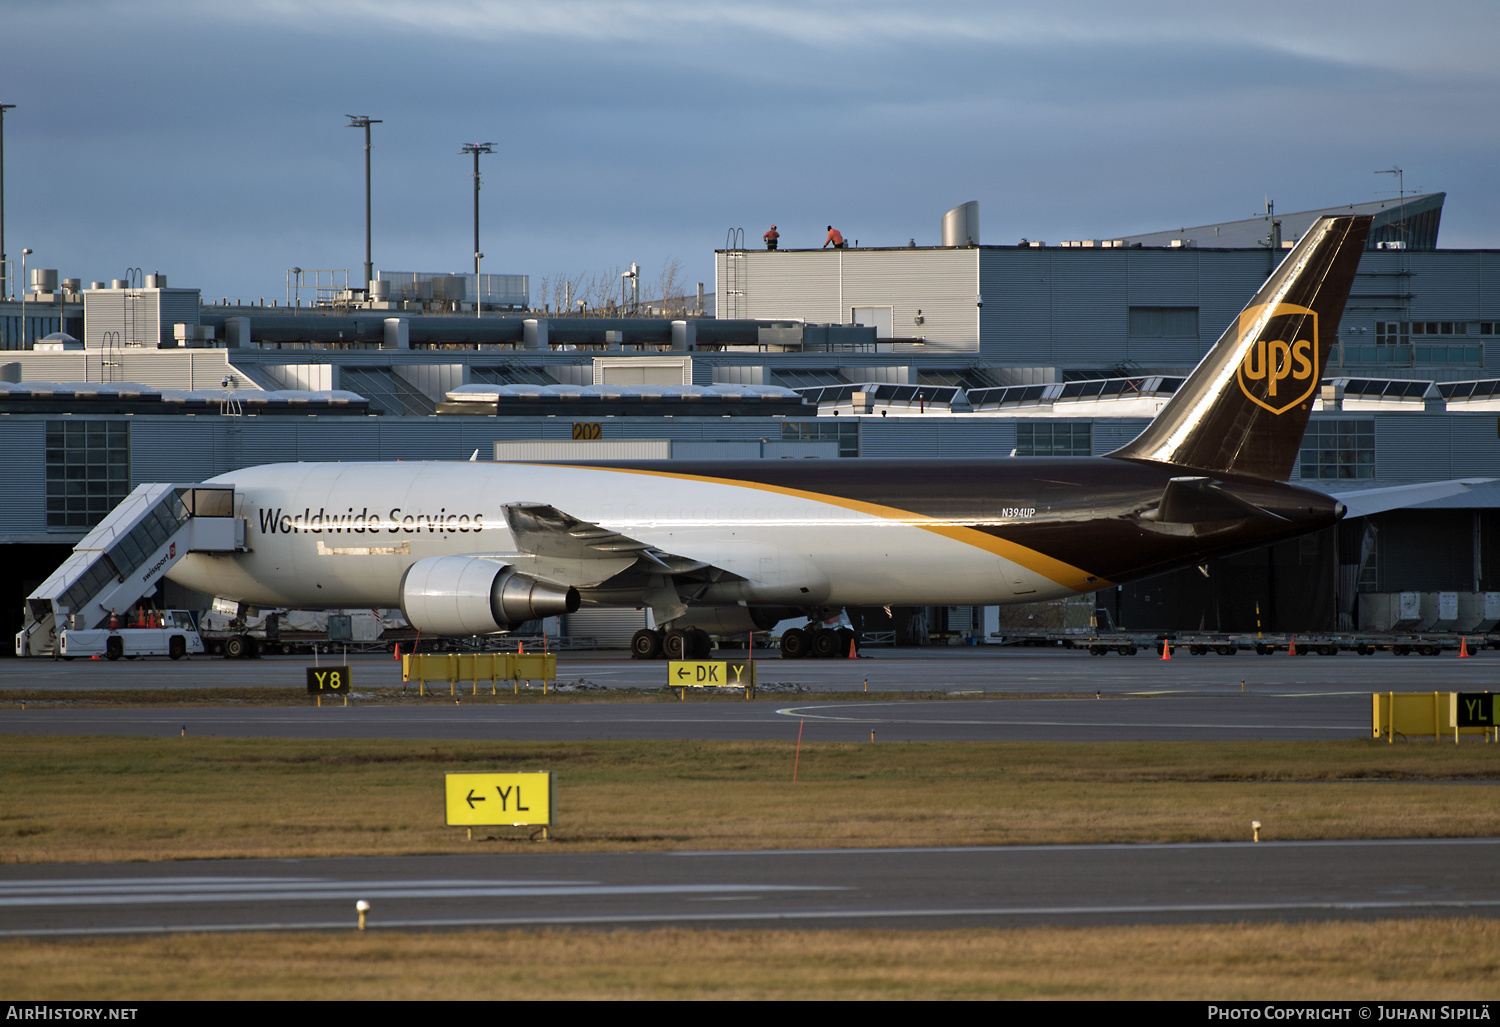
(460, 595)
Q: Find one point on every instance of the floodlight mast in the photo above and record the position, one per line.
(4, 263)
(365, 121)
(476, 149)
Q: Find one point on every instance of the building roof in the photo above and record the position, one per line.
(1421, 214)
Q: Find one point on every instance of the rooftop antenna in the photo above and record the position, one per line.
(1401, 194)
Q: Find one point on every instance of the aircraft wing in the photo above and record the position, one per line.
(544, 530)
(1363, 502)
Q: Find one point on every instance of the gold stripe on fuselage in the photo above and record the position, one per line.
(1064, 574)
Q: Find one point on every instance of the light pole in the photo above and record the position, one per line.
(476, 149)
(24, 254)
(4, 264)
(364, 121)
(634, 275)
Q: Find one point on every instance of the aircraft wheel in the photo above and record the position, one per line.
(177, 647)
(235, 647)
(645, 644)
(699, 645)
(114, 648)
(825, 643)
(674, 645)
(794, 644)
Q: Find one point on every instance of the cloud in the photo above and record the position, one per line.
(208, 140)
(1445, 37)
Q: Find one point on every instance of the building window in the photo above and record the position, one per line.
(845, 433)
(1436, 354)
(1339, 449)
(1439, 327)
(88, 471)
(1046, 438)
(1392, 333)
(1163, 322)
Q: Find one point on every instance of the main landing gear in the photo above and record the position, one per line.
(676, 644)
(798, 643)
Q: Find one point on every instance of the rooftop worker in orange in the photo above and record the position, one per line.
(834, 239)
(771, 237)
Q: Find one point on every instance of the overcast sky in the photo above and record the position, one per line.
(207, 140)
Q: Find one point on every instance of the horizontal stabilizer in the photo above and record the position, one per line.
(1195, 500)
(1363, 502)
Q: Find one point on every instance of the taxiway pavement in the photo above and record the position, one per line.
(840, 888)
(982, 669)
(1164, 718)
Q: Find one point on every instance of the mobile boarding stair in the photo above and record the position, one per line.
(124, 557)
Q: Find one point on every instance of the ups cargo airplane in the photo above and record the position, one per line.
(470, 548)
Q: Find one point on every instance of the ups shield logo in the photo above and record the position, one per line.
(1280, 367)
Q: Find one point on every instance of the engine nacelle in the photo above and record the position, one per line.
(460, 595)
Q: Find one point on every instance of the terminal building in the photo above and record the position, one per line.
(963, 349)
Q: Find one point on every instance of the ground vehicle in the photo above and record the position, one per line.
(167, 633)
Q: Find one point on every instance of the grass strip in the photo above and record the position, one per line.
(1364, 961)
(122, 798)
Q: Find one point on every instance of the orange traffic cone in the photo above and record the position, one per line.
(1292, 650)
(852, 654)
(521, 648)
(1166, 649)
(1463, 648)
(397, 657)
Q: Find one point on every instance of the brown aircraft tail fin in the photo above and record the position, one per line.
(1244, 408)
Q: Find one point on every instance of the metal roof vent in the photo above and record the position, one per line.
(961, 225)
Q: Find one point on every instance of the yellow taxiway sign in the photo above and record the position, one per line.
(711, 673)
(474, 800)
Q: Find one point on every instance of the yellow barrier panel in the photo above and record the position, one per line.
(535, 667)
(477, 667)
(1418, 714)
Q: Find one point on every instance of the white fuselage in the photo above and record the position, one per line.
(341, 535)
